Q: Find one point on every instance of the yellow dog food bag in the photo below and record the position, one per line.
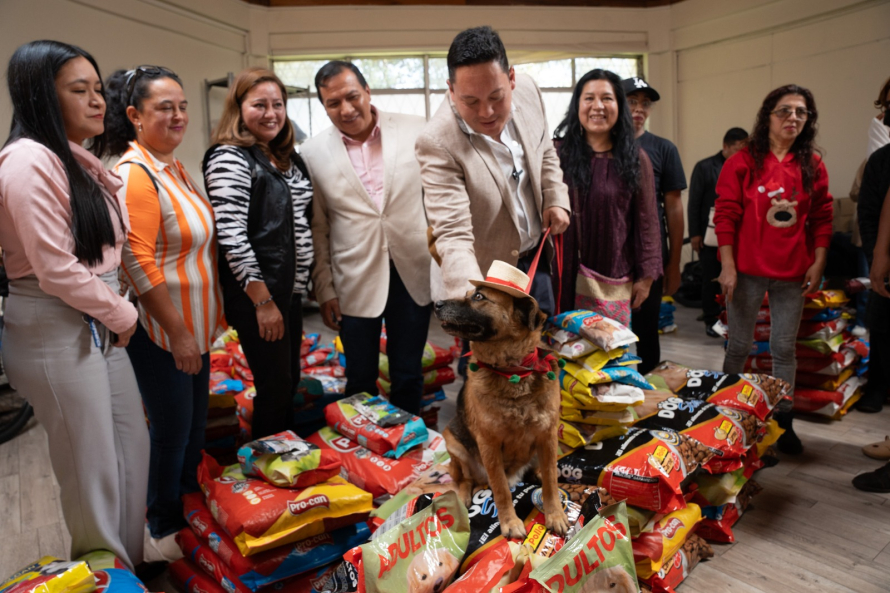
(51, 575)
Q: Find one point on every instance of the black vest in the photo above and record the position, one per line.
(270, 231)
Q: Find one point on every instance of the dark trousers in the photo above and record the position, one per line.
(176, 404)
(541, 290)
(407, 325)
(275, 365)
(710, 288)
(878, 322)
(644, 323)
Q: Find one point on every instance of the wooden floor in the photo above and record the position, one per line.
(809, 530)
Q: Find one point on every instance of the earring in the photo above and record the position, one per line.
(140, 127)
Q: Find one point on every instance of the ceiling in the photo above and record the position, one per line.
(614, 3)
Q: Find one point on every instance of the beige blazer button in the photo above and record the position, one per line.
(514, 253)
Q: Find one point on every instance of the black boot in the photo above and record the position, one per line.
(788, 443)
(876, 481)
(872, 401)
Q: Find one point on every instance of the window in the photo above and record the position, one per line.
(417, 84)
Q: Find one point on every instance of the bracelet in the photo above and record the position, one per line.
(261, 303)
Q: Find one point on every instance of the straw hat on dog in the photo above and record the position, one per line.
(506, 278)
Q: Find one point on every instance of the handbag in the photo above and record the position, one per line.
(610, 297)
(710, 239)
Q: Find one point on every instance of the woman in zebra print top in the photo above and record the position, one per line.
(261, 196)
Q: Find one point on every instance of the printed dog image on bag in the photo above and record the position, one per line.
(431, 572)
(611, 580)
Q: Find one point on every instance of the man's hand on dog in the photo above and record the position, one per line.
(557, 219)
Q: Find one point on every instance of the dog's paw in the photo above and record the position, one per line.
(557, 522)
(465, 493)
(513, 528)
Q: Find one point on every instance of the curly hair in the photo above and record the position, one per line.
(118, 97)
(804, 146)
(574, 151)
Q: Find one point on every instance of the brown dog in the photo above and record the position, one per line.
(503, 428)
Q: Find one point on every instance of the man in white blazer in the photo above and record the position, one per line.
(369, 232)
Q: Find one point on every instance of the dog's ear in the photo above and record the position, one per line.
(529, 314)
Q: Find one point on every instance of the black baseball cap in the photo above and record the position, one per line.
(636, 85)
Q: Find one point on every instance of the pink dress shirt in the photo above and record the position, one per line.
(35, 230)
(367, 160)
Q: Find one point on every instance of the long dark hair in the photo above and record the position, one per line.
(574, 151)
(122, 89)
(37, 115)
(804, 145)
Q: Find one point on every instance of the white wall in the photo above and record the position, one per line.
(126, 33)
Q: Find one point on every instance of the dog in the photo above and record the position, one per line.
(432, 571)
(611, 580)
(503, 428)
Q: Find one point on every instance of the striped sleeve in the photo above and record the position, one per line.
(138, 257)
(227, 177)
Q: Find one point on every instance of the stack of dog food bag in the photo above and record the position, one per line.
(831, 362)
(230, 379)
(281, 518)
(97, 571)
(599, 386)
(437, 373)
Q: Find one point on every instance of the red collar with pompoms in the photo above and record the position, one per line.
(536, 361)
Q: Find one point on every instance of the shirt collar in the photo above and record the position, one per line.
(466, 129)
(96, 168)
(375, 133)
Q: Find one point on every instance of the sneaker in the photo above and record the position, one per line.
(876, 481)
(160, 549)
(710, 332)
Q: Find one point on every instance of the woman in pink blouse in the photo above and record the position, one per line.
(61, 229)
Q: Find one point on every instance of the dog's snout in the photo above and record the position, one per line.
(439, 305)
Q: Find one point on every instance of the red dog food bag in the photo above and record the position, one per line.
(653, 549)
(375, 424)
(726, 432)
(260, 517)
(754, 394)
(485, 575)
(644, 467)
(287, 461)
(420, 555)
(674, 572)
(192, 579)
(375, 473)
(598, 558)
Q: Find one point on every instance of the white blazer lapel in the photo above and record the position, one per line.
(341, 157)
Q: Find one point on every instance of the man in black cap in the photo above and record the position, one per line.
(669, 182)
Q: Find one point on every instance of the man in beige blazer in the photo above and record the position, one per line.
(491, 176)
(369, 232)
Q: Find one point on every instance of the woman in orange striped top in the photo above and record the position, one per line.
(170, 263)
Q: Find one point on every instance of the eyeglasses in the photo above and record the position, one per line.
(785, 113)
(645, 104)
(134, 75)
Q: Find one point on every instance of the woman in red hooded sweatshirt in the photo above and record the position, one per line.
(773, 223)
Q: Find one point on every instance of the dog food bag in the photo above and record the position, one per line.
(375, 473)
(287, 461)
(603, 397)
(51, 575)
(645, 468)
(720, 489)
(753, 394)
(726, 432)
(112, 575)
(420, 555)
(375, 424)
(272, 566)
(433, 378)
(192, 579)
(828, 403)
(259, 516)
(578, 435)
(810, 330)
(605, 333)
(586, 377)
(823, 382)
(598, 558)
(825, 299)
(626, 359)
(717, 521)
(675, 571)
(494, 566)
(823, 364)
(653, 548)
(622, 418)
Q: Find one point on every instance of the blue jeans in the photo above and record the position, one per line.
(407, 325)
(176, 404)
